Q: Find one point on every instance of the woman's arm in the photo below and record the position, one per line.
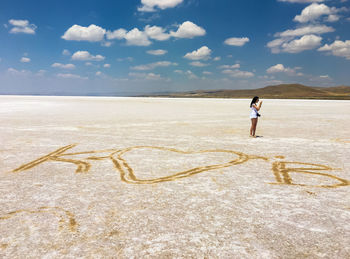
(258, 107)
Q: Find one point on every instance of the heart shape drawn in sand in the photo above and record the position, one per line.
(127, 173)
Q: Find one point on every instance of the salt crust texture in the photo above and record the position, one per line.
(173, 178)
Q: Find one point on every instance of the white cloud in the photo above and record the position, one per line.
(117, 34)
(202, 53)
(279, 68)
(333, 18)
(152, 76)
(306, 42)
(207, 73)
(238, 73)
(14, 71)
(191, 75)
(147, 76)
(217, 58)
(156, 33)
(310, 29)
(66, 52)
(235, 66)
(153, 65)
(70, 76)
(325, 76)
(150, 5)
(293, 45)
(136, 37)
(301, 1)
(198, 64)
(236, 41)
(130, 59)
(22, 26)
(19, 23)
(315, 11)
(98, 73)
(188, 30)
(107, 65)
(41, 72)
(93, 33)
(25, 60)
(179, 71)
(106, 44)
(85, 55)
(157, 52)
(338, 48)
(64, 66)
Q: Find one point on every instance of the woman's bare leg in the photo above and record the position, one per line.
(253, 127)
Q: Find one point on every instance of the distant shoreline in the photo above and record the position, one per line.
(284, 91)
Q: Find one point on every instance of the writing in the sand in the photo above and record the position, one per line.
(282, 170)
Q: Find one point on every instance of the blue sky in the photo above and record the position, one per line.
(142, 46)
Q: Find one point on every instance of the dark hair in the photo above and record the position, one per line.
(254, 100)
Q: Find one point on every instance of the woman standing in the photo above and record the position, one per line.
(255, 107)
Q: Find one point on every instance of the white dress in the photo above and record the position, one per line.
(253, 113)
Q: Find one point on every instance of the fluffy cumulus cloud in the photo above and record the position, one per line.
(106, 44)
(188, 30)
(136, 37)
(25, 60)
(151, 5)
(279, 68)
(309, 29)
(295, 44)
(315, 11)
(22, 26)
(143, 37)
(107, 65)
(235, 66)
(238, 73)
(117, 34)
(157, 52)
(190, 74)
(307, 36)
(236, 41)
(301, 1)
(154, 65)
(85, 55)
(93, 33)
(13, 71)
(306, 42)
(146, 76)
(198, 64)
(156, 33)
(63, 66)
(66, 52)
(202, 53)
(338, 48)
(70, 76)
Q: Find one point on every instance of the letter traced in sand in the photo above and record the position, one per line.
(127, 174)
(66, 218)
(282, 173)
